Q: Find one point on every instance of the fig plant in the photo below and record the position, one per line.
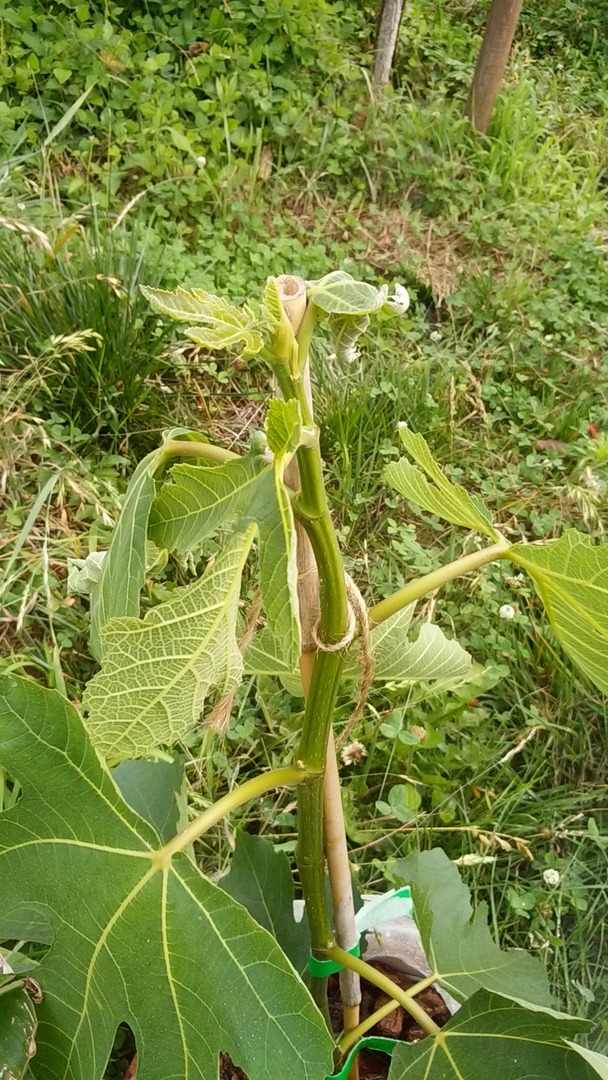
(97, 863)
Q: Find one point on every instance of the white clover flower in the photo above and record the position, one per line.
(201, 161)
(435, 335)
(551, 877)
(353, 752)
(506, 611)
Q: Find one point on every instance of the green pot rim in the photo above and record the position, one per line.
(371, 1042)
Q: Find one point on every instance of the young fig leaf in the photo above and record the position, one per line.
(220, 325)
(157, 671)
(138, 939)
(345, 332)
(339, 294)
(283, 425)
(439, 496)
(202, 500)
(571, 578)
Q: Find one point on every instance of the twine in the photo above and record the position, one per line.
(358, 619)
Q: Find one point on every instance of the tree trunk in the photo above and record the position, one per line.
(386, 40)
(492, 60)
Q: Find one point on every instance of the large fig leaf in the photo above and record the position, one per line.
(428, 487)
(494, 1036)
(157, 671)
(18, 1025)
(457, 942)
(137, 939)
(571, 578)
(260, 879)
(201, 500)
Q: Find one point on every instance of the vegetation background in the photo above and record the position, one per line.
(169, 142)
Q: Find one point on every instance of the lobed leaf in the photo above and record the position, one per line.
(571, 578)
(429, 488)
(148, 942)
(430, 657)
(457, 942)
(494, 1036)
(220, 325)
(157, 671)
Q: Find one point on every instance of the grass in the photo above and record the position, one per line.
(500, 363)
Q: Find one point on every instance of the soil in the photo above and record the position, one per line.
(373, 1065)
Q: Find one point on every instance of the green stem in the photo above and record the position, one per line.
(376, 978)
(415, 590)
(352, 1037)
(184, 448)
(252, 789)
(313, 512)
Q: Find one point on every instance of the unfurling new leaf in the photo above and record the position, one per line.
(339, 294)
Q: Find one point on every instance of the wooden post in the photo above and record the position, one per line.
(386, 40)
(492, 60)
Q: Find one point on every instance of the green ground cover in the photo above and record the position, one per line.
(154, 143)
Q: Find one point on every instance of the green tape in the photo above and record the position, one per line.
(384, 908)
(320, 969)
(371, 1042)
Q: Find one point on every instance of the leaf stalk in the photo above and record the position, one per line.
(415, 590)
(251, 789)
(376, 978)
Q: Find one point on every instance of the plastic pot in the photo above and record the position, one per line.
(390, 936)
